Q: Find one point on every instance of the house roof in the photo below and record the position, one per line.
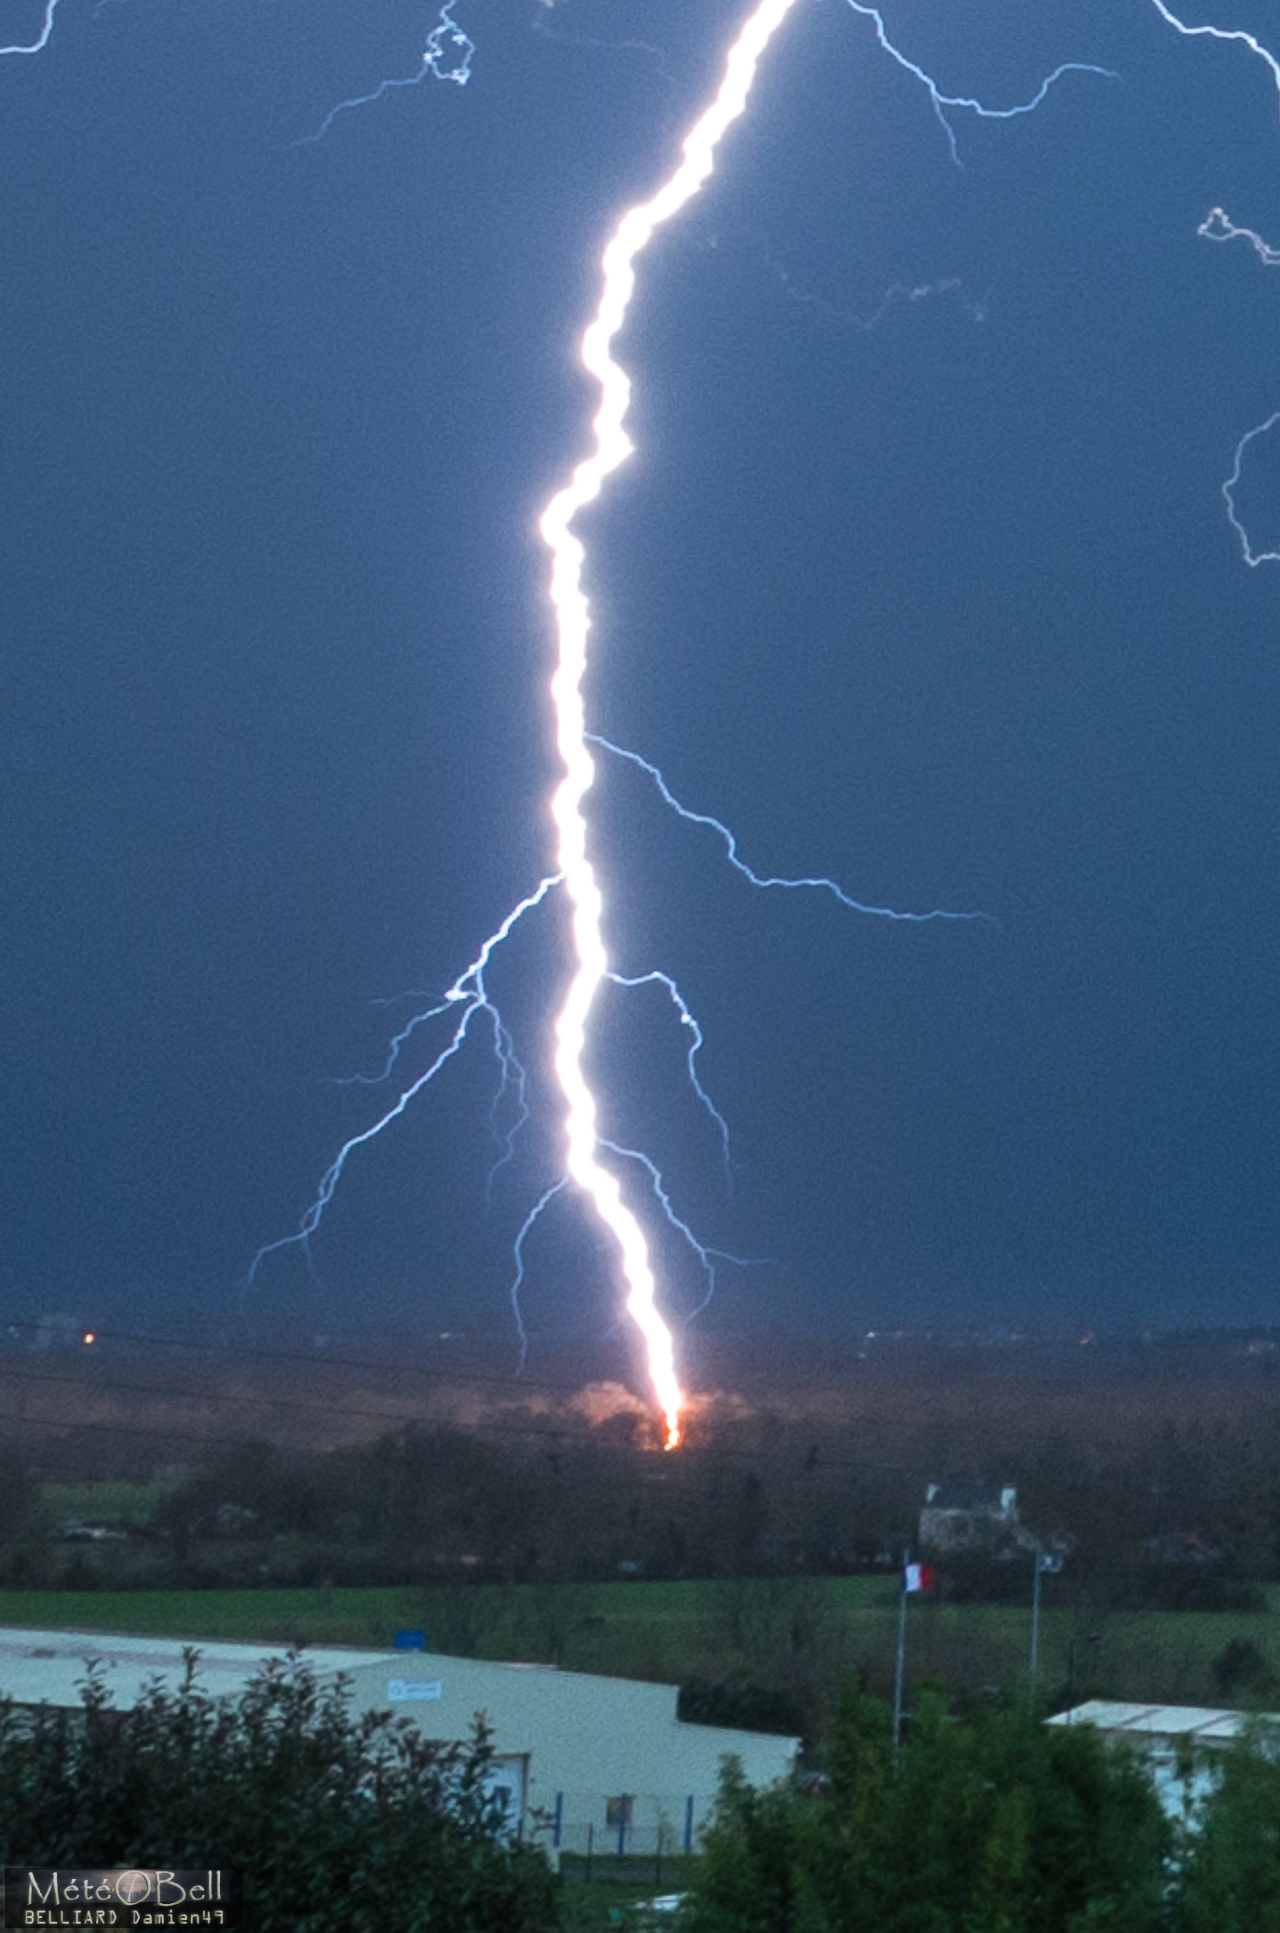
(967, 1496)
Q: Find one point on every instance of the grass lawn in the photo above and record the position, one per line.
(617, 1899)
(105, 1503)
(362, 1617)
(673, 1632)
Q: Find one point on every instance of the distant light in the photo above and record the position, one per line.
(88, 1336)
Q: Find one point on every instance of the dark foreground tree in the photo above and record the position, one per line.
(334, 1821)
(990, 1824)
(1231, 1874)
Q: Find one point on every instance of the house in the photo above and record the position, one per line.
(585, 1763)
(969, 1516)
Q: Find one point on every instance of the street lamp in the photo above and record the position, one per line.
(1045, 1560)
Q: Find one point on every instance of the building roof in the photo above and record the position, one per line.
(993, 1497)
(48, 1667)
(1200, 1723)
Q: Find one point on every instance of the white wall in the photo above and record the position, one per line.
(587, 1739)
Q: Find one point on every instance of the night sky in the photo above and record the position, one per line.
(921, 577)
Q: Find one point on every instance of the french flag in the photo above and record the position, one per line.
(918, 1577)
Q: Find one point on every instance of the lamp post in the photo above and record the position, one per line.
(1044, 1560)
(900, 1662)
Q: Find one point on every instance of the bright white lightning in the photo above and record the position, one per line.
(447, 56)
(1202, 32)
(1218, 226)
(467, 997)
(41, 41)
(766, 881)
(1251, 556)
(612, 447)
(945, 103)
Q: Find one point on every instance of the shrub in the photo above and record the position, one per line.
(333, 1820)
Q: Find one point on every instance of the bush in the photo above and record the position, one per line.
(1168, 1587)
(989, 1824)
(1241, 1671)
(740, 1705)
(333, 1821)
(1231, 1880)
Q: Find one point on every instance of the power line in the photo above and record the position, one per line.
(586, 1434)
(311, 1360)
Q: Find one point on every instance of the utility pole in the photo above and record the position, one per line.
(902, 1652)
(1044, 1561)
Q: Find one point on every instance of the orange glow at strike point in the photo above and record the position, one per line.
(573, 624)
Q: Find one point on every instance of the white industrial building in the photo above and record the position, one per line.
(586, 1763)
(1178, 1743)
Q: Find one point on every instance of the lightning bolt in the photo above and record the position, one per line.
(766, 881)
(1217, 226)
(612, 447)
(467, 997)
(42, 40)
(467, 1004)
(1251, 556)
(946, 104)
(1250, 41)
(575, 876)
(447, 56)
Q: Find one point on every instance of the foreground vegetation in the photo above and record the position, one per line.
(981, 1820)
(994, 1825)
(331, 1820)
(987, 1821)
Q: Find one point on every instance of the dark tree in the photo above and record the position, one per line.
(988, 1824)
(1231, 1879)
(334, 1821)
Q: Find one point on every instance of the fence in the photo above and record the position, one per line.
(632, 1834)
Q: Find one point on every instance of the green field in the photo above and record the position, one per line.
(110, 1503)
(787, 1632)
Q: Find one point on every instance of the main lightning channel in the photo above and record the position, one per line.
(573, 623)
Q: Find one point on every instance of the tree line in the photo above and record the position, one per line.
(1189, 1519)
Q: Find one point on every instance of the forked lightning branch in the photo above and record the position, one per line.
(597, 1181)
(592, 1166)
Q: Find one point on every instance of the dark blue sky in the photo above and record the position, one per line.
(932, 591)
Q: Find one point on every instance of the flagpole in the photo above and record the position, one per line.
(902, 1652)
